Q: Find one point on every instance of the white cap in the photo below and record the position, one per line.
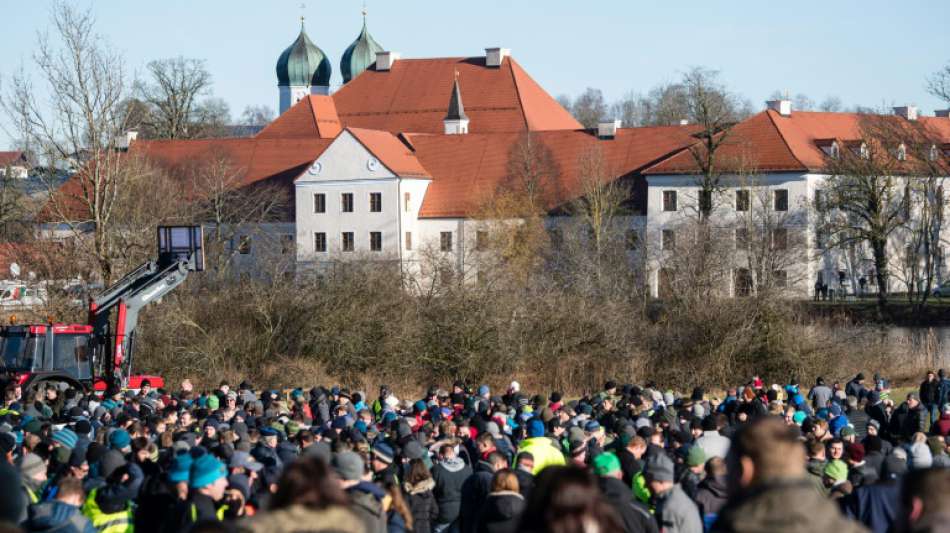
(514, 387)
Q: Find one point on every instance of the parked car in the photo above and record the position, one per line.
(942, 290)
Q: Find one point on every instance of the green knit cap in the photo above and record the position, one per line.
(837, 470)
(606, 463)
(696, 456)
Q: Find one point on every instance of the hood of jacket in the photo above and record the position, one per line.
(50, 516)
(455, 464)
(420, 487)
(504, 505)
(716, 485)
(287, 520)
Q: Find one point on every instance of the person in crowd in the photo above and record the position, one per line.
(567, 499)
(768, 487)
(63, 513)
(449, 474)
(504, 505)
(712, 493)
(418, 494)
(929, 392)
(675, 512)
(925, 501)
(635, 516)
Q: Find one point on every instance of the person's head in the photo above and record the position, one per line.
(930, 375)
(504, 480)
(145, 387)
(418, 472)
(716, 467)
(658, 474)
(607, 465)
(485, 443)
(308, 482)
(567, 499)
(835, 449)
(816, 450)
(497, 461)
(447, 452)
(69, 490)
(526, 461)
(835, 472)
(33, 468)
(913, 400)
(925, 493)
(637, 446)
(764, 450)
(208, 476)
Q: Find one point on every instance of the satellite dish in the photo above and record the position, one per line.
(14, 270)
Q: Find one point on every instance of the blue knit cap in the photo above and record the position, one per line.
(205, 470)
(535, 428)
(181, 468)
(66, 437)
(119, 439)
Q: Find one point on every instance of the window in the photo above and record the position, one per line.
(742, 238)
(244, 244)
(820, 238)
(781, 200)
(481, 240)
(376, 241)
(669, 200)
(445, 241)
(820, 200)
(779, 279)
(348, 241)
(705, 201)
(346, 202)
(319, 203)
(556, 237)
(407, 201)
(902, 153)
(408, 240)
(743, 281)
(779, 239)
(905, 202)
(375, 202)
(320, 242)
(667, 239)
(287, 244)
(742, 200)
(632, 239)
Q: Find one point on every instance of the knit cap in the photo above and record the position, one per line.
(119, 439)
(696, 456)
(31, 465)
(213, 402)
(606, 463)
(66, 438)
(837, 470)
(205, 470)
(181, 468)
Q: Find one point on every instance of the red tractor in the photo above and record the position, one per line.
(98, 355)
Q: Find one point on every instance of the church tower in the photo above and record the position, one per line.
(302, 69)
(456, 121)
(360, 55)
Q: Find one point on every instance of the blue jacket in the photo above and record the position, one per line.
(57, 516)
(876, 506)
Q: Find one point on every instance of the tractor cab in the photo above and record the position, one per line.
(53, 351)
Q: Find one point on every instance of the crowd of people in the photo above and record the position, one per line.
(632, 458)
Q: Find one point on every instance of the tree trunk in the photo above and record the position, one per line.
(879, 248)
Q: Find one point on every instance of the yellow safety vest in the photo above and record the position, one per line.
(33, 497)
(120, 522)
(219, 513)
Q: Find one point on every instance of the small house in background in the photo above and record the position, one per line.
(15, 163)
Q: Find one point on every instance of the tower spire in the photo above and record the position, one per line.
(456, 121)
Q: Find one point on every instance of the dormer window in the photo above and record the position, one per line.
(901, 152)
(946, 149)
(829, 147)
(934, 153)
(863, 151)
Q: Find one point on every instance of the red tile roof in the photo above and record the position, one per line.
(395, 155)
(467, 169)
(313, 116)
(770, 142)
(414, 97)
(9, 158)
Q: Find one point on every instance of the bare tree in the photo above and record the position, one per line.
(590, 108)
(257, 115)
(939, 84)
(831, 104)
(77, 127)
(173, 97)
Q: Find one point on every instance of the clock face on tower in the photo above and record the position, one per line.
(315, 168)
(372, 164)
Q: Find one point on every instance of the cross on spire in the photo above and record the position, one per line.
(302, 8)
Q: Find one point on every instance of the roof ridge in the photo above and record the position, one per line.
(514, 81)
(781, 135)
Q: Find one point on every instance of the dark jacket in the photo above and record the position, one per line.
(865, 474)
(876, 506)
(859, 420)
(197, 509)
(783, 506)
(475, 490)
(930, 392)
(629, 465)
(525, 482)
(501, 513)
(906, 421)
(57, 516)
(635, 516)
(449, 477)
(422, 504)
(711, 497)
(815, 470)
(366, 502)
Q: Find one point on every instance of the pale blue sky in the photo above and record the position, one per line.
(869, 52)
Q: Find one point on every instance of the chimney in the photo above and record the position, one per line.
(495, 56)
(124, 141)
(907, 111)
(782, 107)
(607, 130)
(942, 113)
(385, 60)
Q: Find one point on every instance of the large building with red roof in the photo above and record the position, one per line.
(400, 159)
